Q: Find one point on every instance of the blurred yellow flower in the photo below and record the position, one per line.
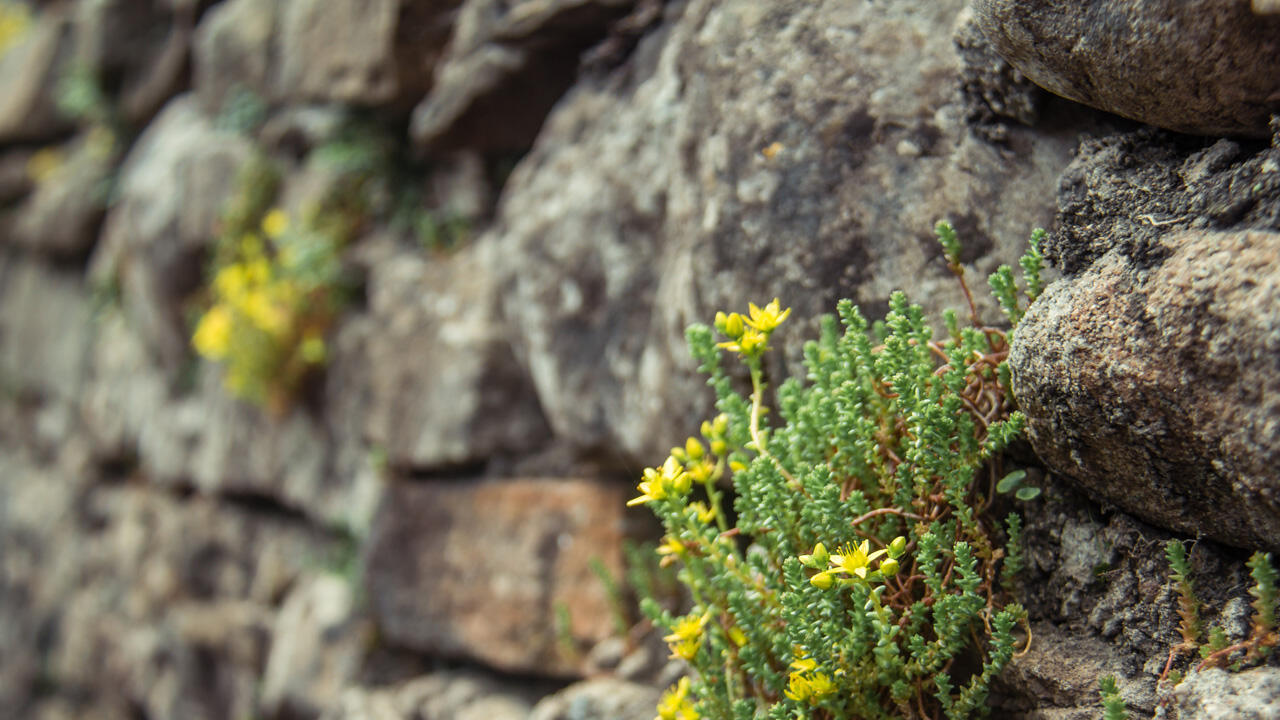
(212, 337)
(275, 223)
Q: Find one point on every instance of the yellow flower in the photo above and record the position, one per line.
(798, 688)
(752, 342)
(807, 684)
(768, 318)
(686, 637)
(804, 665)
(820, 685)
(275, 223)
(661, 483)
(212, 337)
(854, 560)
(259, 308)
(669, 550)
(705, 514)
(231, 282)
(675, 703)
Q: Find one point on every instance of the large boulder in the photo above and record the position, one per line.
(1144, 371)
(481, 570)
(1206, 66)
(748, 151)
(1154, 382)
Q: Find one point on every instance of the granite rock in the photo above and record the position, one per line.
(1153, 383)
(681, 184)
(1210, 67)
(1216, 694)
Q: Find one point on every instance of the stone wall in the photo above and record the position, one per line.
(415, 535)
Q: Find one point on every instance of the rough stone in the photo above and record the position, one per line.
(506, 65)
(683, 183)
(45, 330)
(61, 217)
(1216, 694)
(307, 462)
(1157, 388)
(165, 606)
(148, 69)
(440, 584)
(1210, 67)
(296, 51)
(317, 648)
(454, 695)
(599, 699)
(1129, 190)
(446, 387)
(31, 67)
(232, 48)
(172, 188)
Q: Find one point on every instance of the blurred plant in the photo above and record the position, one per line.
(275, 292)
(242, 112)
(860, 567)
(80, 97)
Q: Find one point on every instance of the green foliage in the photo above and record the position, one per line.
(1188, 604)
(1112, 704)
(612, 589)
(242, 112)
(1013, 483)
(80, 96)
(858, 568)
(1264, 595)
(1219, 651)
(1006, 290)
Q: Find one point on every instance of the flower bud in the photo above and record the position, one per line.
(720, 425)
(733, 326)
(720, 321)
(694, 449)
(888, 567)
(897, 547)
(822, 581)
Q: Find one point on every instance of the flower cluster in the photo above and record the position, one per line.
(853, 561)
(808, 684)
(274, 293)
(749, 336)
(888, 453)
(263, 322)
